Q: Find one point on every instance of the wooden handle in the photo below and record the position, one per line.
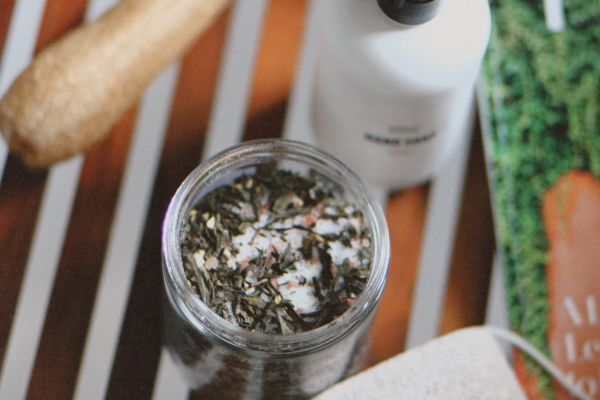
(78, 87)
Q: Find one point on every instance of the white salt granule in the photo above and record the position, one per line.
(328, 227)
(302, 296)
(339, 253)
(199, 258)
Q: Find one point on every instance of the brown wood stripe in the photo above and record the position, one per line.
(22, 189)
(60, 350)
(276, 64)
(6, 10)
(20, 196)
(405, 215)
(469, 280)
(60, 16)
(139, 346)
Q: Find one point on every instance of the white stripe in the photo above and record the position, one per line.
(21, 39)
(496, 311)
(555, 15)
(255, 383)
(225, 127)
(231, 100)
(96, 8)
(20, 45)
(125, 237)
(436, 253)
(39, 278)
(169, 382)
(297, 124)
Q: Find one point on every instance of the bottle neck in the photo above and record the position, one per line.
(410, 12)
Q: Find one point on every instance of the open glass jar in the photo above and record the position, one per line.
(224, 361)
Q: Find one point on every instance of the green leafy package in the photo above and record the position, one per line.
(541, 113)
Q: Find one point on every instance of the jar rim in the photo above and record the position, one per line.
(189, 304)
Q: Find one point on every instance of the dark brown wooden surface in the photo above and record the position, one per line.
(59, 354)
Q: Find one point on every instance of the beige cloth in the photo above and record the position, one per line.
(467, 364)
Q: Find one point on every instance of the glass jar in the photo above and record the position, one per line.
(224, 361)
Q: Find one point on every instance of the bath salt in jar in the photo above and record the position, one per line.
(274, 262)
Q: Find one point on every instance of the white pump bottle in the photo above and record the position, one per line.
(394, 84)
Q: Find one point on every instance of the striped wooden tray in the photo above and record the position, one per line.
(80, 271)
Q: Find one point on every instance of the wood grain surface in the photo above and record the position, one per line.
(136, 360)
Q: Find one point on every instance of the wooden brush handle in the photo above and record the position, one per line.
(78, 87)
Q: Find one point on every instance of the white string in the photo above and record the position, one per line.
(555, 15)
(539, 357)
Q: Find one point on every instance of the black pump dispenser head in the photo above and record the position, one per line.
(410, 12)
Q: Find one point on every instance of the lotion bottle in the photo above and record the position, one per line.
(394, 84)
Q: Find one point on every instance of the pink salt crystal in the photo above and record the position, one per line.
(310, 220)
(292, 283)
(211, 263)
(243, 265)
